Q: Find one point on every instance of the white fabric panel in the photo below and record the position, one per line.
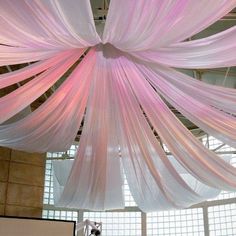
(61, 172)
(71, 24)
(16, 101)
(15, 55)
(54, 125)
(201, 53)
(16, 76)
(208, 118)
(93, 182)
(78, 19)
(120, 96)
(184, 146)
(219, 97)
(22, 114)
(135, 25)
(153, 181)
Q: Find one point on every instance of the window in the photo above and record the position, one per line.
(219, 217)
(129, 201)
(187, 222)
(48, 183)
(222, 220)
(60, 215)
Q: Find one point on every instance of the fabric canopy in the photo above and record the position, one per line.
(119, 91)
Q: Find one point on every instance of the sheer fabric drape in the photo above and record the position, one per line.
(119, 92)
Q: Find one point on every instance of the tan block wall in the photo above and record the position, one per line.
(21, 183)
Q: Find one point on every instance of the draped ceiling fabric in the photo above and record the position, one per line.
(118, 89)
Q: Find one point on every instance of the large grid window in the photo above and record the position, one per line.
(226, 195)
(219, 216)
(60, 215)
(48, 183)
(129, 200)
(222, 220)
(117, 223)
(187, 222)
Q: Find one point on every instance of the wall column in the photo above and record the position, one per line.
(21, 183)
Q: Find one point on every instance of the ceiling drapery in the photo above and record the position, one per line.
(118, 89)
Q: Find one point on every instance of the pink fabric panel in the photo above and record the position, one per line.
(77, 18)
(214, 51)
(185, 147)
(151, 177)
(17, 17)
(13, 77)
(16, 101)
(212, 121)
(17, 55)
(54, 125)
(219, 97)
(23, 17)
(95, 181)
(47, 17)
(139, 26)
(118, 94)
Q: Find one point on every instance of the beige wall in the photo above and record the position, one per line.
(21, 183)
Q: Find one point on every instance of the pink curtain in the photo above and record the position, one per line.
(117, 90)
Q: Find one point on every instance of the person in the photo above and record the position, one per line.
(95, 232)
